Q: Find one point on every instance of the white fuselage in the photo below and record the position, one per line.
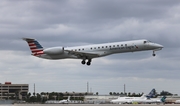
(152, 100)
(129, 100)
(104, 49)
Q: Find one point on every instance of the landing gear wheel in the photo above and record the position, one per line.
(154, 53)
(83, 62)
(88, 63)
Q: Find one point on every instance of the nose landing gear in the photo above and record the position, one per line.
(154, 53)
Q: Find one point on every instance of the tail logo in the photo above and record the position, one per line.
(163, 99)
(34, 46)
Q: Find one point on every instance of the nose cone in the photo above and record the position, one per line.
(158, 46)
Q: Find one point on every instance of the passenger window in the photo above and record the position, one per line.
(121, 44)
(102, 46)
(113, 45)
(98, 47)
(145, 41)
(125, 44)
(106, 46)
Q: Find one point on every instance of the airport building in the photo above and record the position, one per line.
(13, 91)
(66, 94)
(96, 99)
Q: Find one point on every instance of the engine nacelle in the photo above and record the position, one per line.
(54, 50)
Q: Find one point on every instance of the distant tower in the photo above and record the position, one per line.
(34, 90)
(124, 88)
(87, 87)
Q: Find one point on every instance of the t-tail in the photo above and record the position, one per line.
(151, 94)
(35, 47)
(68, 98)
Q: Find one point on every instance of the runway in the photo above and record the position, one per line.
(94, 104)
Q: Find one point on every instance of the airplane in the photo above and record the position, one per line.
(177, 102)
(88, 52)
(65, 101)
(130, 100)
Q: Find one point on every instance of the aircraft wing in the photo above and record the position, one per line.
(84, 54)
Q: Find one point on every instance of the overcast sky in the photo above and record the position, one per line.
(82, 22)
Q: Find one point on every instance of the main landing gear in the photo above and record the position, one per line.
(88, 63)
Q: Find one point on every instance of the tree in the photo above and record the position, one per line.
(38, 97)
(60, 96)
(33, 99)
(114, 93)
(129, 94)
(165, 93)
(122, 93)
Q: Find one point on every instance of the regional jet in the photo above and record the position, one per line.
(130, 100)
(87, 52)
(65, 101)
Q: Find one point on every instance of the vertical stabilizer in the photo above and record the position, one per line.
(152, 93)
(68, 98)
(34, 46)
(163, 99)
